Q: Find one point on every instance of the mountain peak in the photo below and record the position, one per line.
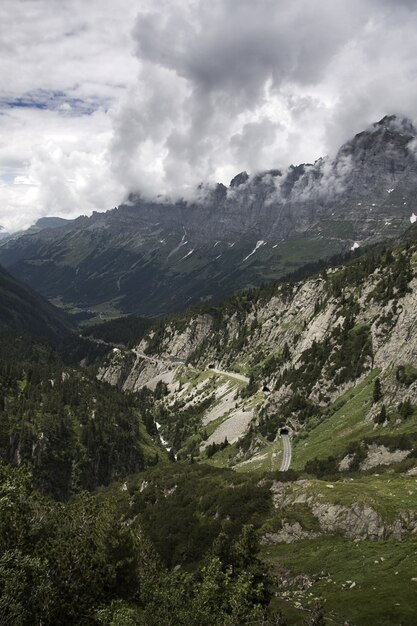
(397, 124)
(239, 179)
(387, 120)
(50, 222)
(391, 129)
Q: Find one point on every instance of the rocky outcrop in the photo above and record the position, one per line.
(361, 521)
(380, 455)
(288, 534)
(117, 367)
(358, 521)
(132, 371)
(180, 342)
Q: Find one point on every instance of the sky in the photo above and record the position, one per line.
(102, 98)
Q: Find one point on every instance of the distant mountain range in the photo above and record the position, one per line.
(158, 257)
(40, 224)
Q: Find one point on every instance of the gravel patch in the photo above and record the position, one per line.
(225, 397)
(233, 428)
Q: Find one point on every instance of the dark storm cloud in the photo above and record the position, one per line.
(102, 98)
(240, 84)
(238, 44)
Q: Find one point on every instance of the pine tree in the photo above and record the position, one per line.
(377, 393)
(382, 415)
(405, 408)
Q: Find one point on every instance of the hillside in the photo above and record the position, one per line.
(332, 360)
(23, 310)
(307, 344)
(152, 258)
(70, 431)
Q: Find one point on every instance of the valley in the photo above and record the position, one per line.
(288, 412)
(268, 431)
(208, 313)
(331, 361)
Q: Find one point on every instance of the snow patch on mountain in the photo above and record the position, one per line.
(258, 245)
(187, 255)
(182, 243)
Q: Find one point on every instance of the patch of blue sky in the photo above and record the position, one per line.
(48, 100)
(7, 177)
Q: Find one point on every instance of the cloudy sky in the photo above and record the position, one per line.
(105, 97)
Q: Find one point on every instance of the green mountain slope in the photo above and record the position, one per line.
(21, 309)
(71, 431)
(333, 359)
(317, 347)
(222, 535)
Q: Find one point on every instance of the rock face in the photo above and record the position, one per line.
(302, 316)
(288, 534)
(308, 344)
(157, 257)
(380, 455)
(358, 521)
(133, 370)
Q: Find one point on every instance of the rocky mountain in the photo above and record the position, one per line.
(332, 359)
(45, 222)
(23, 310)
(40, 224)
(327, 366)
(157, 257)
(330, 364)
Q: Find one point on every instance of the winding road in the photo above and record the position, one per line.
(286, 441)
(240, 377)
(286, 459)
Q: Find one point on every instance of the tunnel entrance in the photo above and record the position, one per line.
(284, 431)
(266, 389)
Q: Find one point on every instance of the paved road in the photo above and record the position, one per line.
(286, 459)
(243, 379)
(170, 360)
(141, 355)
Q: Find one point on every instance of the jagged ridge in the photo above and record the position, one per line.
(158, 257)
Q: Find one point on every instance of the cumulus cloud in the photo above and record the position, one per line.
(254, 85)
(63, 66)
(100, 99)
